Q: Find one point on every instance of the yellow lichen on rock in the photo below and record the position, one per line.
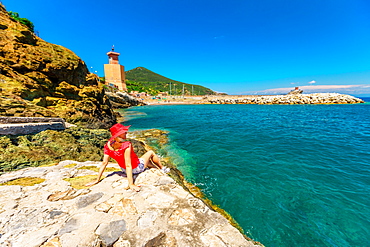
(48, 165)
(27, 181)
(92, 168)
(52, 243)
(79, 182)
(70, 165)
(96, 169)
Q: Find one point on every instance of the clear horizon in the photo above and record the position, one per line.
(236, 47)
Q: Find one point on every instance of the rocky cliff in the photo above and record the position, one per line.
(39, 79)
(49, 206)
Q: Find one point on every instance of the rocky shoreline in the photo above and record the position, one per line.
(47, 206)
(56, 211)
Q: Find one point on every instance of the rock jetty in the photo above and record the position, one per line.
(48, 206)
(291, 99)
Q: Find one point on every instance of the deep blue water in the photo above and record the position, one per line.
(291, 175)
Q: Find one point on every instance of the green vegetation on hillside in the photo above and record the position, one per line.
(144, 80)
(141, 87)
(25, 21)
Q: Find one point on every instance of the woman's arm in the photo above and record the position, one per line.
(130, 179)
(101, 170)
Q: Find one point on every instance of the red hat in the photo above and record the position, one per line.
(118, 129)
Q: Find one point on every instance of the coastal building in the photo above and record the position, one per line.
(163, 94)
(138, 95)
(114, 72)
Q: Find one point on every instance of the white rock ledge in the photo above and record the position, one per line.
(29, 125)
(52, 213)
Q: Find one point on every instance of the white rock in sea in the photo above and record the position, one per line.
(53, 213)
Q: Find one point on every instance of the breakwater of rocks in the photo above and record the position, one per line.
(316, 98)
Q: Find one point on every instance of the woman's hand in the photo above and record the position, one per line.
(92, 183)
(101, 170)
(134, 187)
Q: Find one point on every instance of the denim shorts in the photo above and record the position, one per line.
(139, 169)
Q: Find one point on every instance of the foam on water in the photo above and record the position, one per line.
(290, 175)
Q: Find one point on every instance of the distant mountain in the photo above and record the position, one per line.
(142, 79)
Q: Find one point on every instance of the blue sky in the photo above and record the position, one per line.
(237, 46)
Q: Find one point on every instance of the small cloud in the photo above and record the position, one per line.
(311, 82)
(292, 83)
(219, 37)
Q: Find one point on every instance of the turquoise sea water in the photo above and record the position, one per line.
(291, 175)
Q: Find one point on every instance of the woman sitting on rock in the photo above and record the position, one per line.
(122, 151)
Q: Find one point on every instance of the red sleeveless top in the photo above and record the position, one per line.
(119, 155)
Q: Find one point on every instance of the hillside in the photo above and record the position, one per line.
(40, 79)
(142, 79)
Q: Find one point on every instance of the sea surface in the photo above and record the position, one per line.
(291, 175)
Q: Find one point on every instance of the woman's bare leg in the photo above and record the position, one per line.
(150, 157)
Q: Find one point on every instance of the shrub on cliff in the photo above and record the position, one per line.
(25, 21)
